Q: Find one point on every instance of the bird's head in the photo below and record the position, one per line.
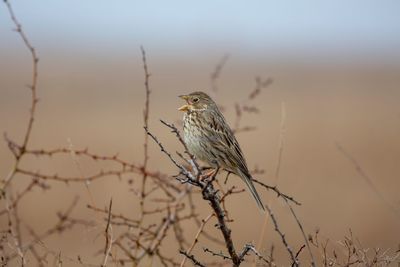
(197, 101)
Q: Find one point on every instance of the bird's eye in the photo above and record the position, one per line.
(195, 100)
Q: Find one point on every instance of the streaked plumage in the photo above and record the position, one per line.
(210, 139)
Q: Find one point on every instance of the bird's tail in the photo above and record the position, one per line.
(248, 180)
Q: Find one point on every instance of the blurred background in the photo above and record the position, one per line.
(335, 66)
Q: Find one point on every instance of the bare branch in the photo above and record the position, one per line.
(283, 237)
(196, 238)
(34, 98)
(109, 236)
(217, 72)
(192, 258)
(146, 125)
(278, 193)
(303, 233)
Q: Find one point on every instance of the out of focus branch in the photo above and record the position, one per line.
(109, 236)
(146, 123)
(18, 154)
(192, 258)
(247, 106)
(367, 178)
(196, 238)
(217, 73)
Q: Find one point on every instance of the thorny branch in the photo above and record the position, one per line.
(283, 237)
(249, 247)
(109, 236)
(146, 124)
(19, 150)
(247, 105)
(192, 258)
(196, 238)
(217, 73)
(313, 264)
(278, 193)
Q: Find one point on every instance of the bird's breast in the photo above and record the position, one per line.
(194, 135)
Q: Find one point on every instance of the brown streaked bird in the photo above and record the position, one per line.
(210, 139)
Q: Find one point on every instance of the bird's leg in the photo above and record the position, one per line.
(227, 175)
(210, 175)
(205, 168)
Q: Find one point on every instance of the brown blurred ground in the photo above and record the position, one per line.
(97, 102)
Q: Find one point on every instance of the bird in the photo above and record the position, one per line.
(209, 138)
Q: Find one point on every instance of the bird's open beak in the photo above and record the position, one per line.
(184, 107)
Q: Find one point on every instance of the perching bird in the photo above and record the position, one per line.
(209, 138)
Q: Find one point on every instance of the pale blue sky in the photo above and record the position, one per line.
(321, 27)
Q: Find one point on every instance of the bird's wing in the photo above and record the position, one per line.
(223, 139)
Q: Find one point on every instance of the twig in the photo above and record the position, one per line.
(282, 235)
(15, 233)
(244, 106)
(278, 164)
(34, 98)
(278, 193)
(303, 233)
(72, 179)
(217, 72)
(196, 238)
(218, 254)
(179, 166)
(281, 141)
(298, 253)
(146, 111)
(192, 258)
(109, 236)
(64, 222)
(146, 125)
(194, 163)
(249, 247)
(108, 226)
